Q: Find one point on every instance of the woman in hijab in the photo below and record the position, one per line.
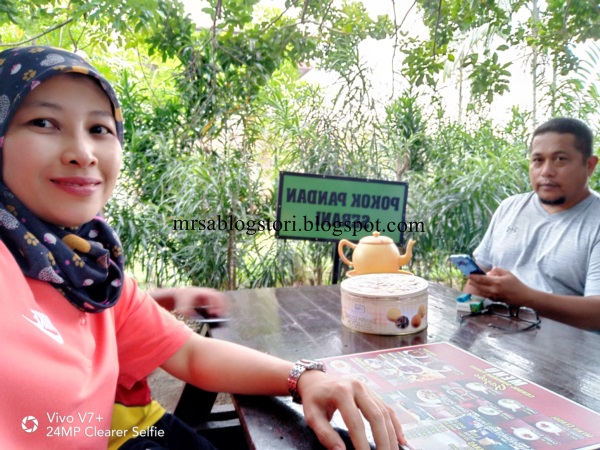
(73, 324)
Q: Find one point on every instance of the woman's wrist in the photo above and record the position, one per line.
(298, 372)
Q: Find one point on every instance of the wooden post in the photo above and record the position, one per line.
(335, 273)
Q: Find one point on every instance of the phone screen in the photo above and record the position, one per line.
(466, 265)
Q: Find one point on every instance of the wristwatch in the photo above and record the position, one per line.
(299, 368)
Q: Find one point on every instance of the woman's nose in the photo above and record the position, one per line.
(79, 151)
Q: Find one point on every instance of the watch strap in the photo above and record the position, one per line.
(299, 368)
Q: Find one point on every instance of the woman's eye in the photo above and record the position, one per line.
(41, 123)
(99, 129)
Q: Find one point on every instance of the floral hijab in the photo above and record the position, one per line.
(85, 263)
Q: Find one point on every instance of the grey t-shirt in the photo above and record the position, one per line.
(556, 253)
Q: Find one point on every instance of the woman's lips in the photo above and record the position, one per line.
(80, 186)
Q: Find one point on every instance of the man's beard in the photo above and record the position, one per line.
(553, 202)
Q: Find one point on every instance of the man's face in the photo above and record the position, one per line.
(558, 172)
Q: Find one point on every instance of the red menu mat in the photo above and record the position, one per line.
(447, 398)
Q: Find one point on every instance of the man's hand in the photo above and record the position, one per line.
(500, 285)
(322, 395)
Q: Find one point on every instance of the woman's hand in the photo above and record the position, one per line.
(323, 394)
(185, 300)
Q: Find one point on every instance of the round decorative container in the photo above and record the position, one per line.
(385, 303)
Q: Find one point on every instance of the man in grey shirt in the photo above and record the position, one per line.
(542, 248)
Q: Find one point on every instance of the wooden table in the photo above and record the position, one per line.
(295, 323)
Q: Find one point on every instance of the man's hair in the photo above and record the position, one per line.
(584, 137)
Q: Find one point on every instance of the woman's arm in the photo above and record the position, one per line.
(221, 366)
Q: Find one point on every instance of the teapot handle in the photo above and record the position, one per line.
(341, 245)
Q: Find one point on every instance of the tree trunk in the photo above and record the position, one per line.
(535, 15)
(231, 261)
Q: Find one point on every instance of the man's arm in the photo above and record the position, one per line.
(220, 366)
(502, 285)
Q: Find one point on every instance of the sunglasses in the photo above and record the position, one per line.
(522, 317)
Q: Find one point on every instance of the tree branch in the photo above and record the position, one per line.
(566, 16)
(407, 12)
(49, 30)
(304, 9)
(437, 24)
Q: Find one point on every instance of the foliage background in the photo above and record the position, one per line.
(213, 113)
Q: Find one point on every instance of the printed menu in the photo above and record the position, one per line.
(447, 398)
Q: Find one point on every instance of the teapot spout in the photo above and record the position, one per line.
(405, 259)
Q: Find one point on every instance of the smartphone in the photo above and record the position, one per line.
(466, 265)
(213, 321)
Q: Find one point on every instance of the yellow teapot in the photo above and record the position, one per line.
(375, 254)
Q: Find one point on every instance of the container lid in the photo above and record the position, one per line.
(385, 285)
(376, 239)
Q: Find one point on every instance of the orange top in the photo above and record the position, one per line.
(60, 366)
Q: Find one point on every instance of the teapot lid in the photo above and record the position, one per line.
(376, 239)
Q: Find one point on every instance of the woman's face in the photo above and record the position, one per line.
(61, 153)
